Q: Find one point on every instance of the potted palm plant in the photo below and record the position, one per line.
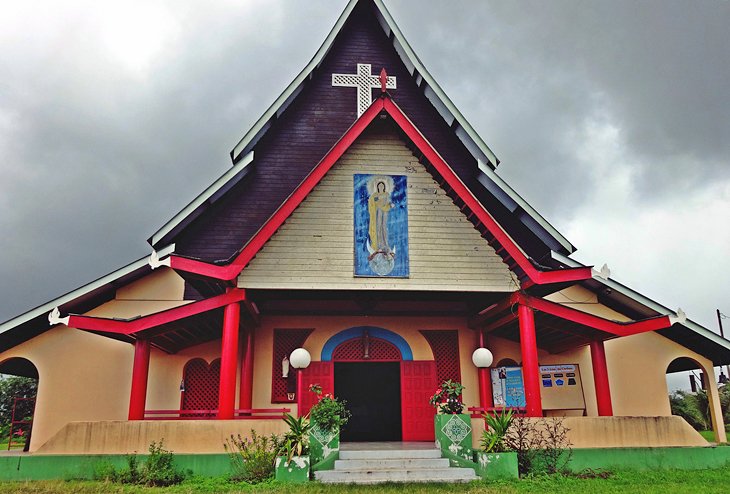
(496, 460)
(292, 462)
(327, 417)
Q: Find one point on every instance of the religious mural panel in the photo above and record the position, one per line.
(381, 225)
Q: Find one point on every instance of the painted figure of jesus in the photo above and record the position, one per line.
(378, 206)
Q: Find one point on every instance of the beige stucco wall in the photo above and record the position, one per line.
(83, 376)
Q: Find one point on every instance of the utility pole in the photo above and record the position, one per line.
(722, 333)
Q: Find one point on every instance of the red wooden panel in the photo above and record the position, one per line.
(352, 351)
(322, 373)
(445, 347)
(285, 342)
(417, 384)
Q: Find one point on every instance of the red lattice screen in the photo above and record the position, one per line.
(201, 384)
(285, 342)
(354, 350)
(445, 347)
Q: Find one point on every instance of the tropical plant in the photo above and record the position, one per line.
(329, 413)
(447, 398)
(296, 440)
(158, 470)
(252, 459)
(493, 436)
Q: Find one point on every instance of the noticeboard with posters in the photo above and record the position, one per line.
(561, 387)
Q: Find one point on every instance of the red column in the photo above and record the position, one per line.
(245, 400)
(300, 391)
(485, 383)
(229, 357)
(530, 368)
(600, 379)
(140, 371)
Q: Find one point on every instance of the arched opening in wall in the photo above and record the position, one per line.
(200, 385)
(507, 362)
(687, 383)
(18, 389)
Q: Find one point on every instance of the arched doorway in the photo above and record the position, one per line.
(18, 389)
(367, 376)
(201, 383)
(694, 396)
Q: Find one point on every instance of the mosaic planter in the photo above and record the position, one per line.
(496, 466)
(296, 470)
(324, 447)
(453, 435)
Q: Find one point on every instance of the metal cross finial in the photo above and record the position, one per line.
(365, 82)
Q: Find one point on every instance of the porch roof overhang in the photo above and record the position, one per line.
(559, 328)
(174, 329)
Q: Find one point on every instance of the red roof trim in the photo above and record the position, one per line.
(384, 103)
(157, 319)
(596, 322)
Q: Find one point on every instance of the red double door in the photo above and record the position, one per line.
(417, 385)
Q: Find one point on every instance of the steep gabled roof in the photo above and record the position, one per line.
(521, 212)
(497, 237)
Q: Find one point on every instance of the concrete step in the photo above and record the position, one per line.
(396, 475)
(392, 464)
(389, 454)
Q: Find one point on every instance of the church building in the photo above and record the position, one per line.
(363, 220)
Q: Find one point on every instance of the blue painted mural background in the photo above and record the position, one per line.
(385, 255)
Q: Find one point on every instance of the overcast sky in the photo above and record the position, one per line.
(611, 118)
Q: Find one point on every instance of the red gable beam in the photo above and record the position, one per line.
(384, 103)
(578, 317)
(156, 319)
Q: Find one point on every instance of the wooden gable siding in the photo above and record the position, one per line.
(304, 133)
(314, 248)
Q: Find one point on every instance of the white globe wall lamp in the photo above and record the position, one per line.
(482, 359)
(300, 360)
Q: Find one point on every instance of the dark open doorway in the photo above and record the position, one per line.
(372, 391)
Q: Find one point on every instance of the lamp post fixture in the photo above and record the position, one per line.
(482, 359)
(299, 360)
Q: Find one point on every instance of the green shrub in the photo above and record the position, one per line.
(329, 413)
(252, 460)
(158, 470)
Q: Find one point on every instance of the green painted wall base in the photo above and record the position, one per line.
(45, 467)
(693, 458)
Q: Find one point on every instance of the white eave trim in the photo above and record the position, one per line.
(207, 194)
(636, 296)
(79, 292)
(519, 201)
(272, 111)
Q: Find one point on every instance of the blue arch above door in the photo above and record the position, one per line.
(357, 332)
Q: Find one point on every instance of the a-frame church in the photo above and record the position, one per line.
(362, 220)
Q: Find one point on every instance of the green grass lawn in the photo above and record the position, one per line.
(654, 482)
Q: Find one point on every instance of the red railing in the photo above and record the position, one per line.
(477, 412)
(19, 427)
(238, 414)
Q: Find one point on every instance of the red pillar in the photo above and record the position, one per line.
(229, 357)
(245, 400)
(300, 392)
(485, 383)
(140, 371)
(530, 368)
(600, 379)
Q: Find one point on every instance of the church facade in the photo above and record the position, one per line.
(362, 220)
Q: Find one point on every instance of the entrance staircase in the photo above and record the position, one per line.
(375, 463)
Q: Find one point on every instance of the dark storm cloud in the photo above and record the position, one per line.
(97, 154)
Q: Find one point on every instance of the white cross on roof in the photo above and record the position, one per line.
(365, 82)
